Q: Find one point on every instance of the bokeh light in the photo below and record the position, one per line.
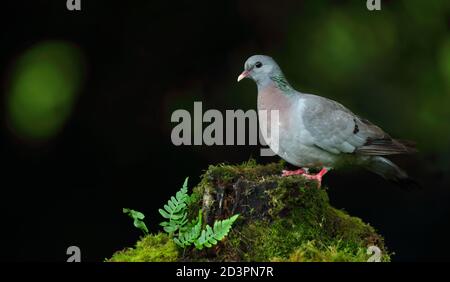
(42, 90)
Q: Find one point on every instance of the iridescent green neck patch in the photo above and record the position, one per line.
(281, 83)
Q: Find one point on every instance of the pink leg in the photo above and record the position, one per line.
(300, 171)
(293, 172)
(318, 176)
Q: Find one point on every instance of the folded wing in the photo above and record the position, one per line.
(337, 130)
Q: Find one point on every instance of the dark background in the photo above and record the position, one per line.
(86, 99)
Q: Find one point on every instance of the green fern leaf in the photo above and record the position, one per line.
(191, 233)
(178, 242)
(175, 210)
(164, 213)
(170, 228)
(211, 236)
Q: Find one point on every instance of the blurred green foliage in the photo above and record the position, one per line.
(43, 88)
(390, 66)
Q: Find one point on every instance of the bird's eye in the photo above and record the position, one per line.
(258, 65)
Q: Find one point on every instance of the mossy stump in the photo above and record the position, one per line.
(281, 219)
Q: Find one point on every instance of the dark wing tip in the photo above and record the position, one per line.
(407, 184)
(387, 146)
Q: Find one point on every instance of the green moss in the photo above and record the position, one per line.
(151, 248)
(303, 227)
(296, 195)
(312, 251)
(252, 171)
(282, 219)
(288, 240)
(339, 224)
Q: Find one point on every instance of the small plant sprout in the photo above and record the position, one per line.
(138, 218)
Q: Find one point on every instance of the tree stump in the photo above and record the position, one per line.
(281, 218)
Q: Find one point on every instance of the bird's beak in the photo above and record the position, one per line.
(243, 75)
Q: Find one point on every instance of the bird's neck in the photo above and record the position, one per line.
(277, 81)
(272, 97)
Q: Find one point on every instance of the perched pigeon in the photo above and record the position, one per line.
(318, 132)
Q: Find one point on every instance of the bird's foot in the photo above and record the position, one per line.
(293, 172)
(317, 176)
(304, 172)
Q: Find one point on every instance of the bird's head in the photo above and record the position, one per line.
(259, 68)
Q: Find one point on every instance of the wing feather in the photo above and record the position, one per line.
(337, 130)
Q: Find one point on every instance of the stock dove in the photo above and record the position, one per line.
(318, 132)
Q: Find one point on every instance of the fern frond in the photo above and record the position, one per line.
(175, 210)
(191, 233)
(211, 235)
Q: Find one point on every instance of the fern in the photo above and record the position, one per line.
(191, 234)
(175, 210)
(210, 236)
(138, 218)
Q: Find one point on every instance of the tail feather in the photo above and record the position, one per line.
(391, 172)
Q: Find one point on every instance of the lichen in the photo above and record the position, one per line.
(282, 219)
